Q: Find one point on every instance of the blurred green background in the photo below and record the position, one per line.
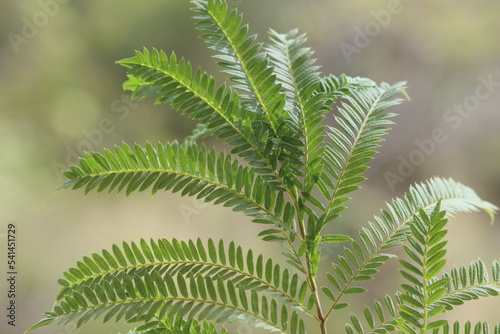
(60, 93)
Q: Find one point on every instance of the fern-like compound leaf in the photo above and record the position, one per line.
(188, 169)
(361, 125)
(256, 82)
(470, 283)
(295, 174)
(423, 290)
(468, 328)
(162, 280)
(306, 107)
(362, 260)
(381, 318)
(242, 59)
(195, 94)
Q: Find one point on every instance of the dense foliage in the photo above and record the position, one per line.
(288, 170)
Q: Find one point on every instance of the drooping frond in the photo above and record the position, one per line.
(361, 261)
(188, 169)
(255, 271)
(362, 123)
(150, 283)
(217, 108)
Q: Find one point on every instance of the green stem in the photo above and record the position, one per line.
(309, 275)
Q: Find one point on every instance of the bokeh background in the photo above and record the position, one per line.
(60, 93)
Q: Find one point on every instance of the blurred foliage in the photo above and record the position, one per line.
(61, 82)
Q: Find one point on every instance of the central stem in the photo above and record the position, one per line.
(314, 288)
(309, 275)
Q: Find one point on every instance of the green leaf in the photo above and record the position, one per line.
(355, 289)
(436, 324)
(297, 176)
(361, 126)
(328, 293)
(166, 168)
(330, 238)
(182, 285)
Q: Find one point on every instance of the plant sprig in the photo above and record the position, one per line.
(288, 170)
